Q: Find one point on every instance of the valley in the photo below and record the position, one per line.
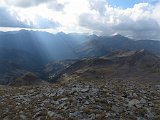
(107, 81)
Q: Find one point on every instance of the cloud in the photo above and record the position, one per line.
(43, 23)
(12, 19)
(9, 20)
(52, 4)
(141, 22)
(25, 3)
(98, 5)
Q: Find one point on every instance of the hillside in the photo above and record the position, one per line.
(137, 65)
(28, 79)
(42, 45)
(28, 51)
(123, 85)
(14, 63)
(104, 45)
(38, 52)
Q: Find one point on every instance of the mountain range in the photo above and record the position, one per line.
(74, 76)
(47, 54)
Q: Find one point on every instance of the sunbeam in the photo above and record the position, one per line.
(79, 60)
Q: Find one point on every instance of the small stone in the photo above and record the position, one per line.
(115, 109)
(92, 116)
(150, 104)
(63, 99)
(85, 90)
(52, 94)
(135, 95)
(23, 117)
(108, 115)
(86, 103)
(50, 113)
(75, 114)
(133, 102)
(150, 115)
(157, 87)
(143, 101)
(98, 116)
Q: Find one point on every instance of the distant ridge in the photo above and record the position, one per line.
(29, 51)
(130, 63)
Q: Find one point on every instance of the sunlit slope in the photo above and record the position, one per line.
(138, 66)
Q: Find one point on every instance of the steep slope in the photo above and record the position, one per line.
(104, 45)
(42, 45)
(54, 68)
(136, 65)
(24, 51)
(106, 88)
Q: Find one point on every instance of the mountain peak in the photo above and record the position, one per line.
(119, 36)
(61, 33)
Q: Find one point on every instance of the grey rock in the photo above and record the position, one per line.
(86, 103)
(143, 101)
(92, 116)
(63, 99)
(75, 114)
(85, 90)
(157, 87)
(150, 115)
(135, 95)
(133, 102)
(50, 113)
(52, 94)
(108, 115)
(150, 104)
(115, 109)
(23, 117)
(140, 118)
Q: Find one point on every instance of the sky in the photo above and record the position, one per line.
(139, 19)
(128, 3)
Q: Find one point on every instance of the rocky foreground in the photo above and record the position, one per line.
(114, 100)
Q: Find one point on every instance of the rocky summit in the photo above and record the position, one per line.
(112, 100)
